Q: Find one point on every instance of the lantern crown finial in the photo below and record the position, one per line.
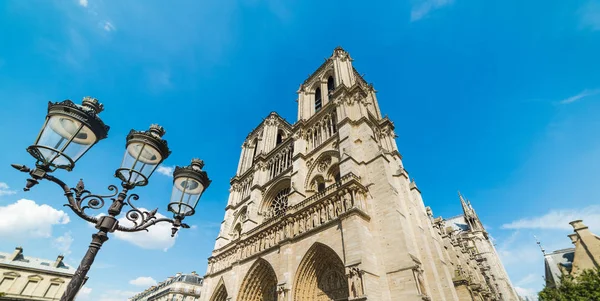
(197, 164)
(157, 131)
(92, 104)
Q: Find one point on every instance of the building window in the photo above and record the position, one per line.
(255, 147)
(280, 136)
(280, 202)
(52, 290)
(320, 186)
(6, 283)
(29, 288)
(330, 85)
(318, 99)
(237, 231)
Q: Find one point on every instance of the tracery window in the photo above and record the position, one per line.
(279, 204)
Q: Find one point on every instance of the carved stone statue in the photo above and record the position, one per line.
(355, 282)
(347, 200)
(420, 282)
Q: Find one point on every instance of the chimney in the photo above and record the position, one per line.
(58, 261)
(578, 225)
(17, 253)
(573, 237)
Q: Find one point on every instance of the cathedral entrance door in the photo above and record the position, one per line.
(260, 283)
(320, 276)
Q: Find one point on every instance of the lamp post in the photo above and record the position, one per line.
(69, 131)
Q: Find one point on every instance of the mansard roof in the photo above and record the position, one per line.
(192, 278)
(554, 261)
(19, 261)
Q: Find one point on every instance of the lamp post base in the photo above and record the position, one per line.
(79, 277)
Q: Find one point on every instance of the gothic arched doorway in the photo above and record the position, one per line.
(260, 284)
(321, 276)
(220, 293)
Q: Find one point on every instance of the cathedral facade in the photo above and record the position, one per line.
(323, 209)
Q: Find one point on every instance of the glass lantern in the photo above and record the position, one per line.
(69, 132)
(145, 150)
(188, 185)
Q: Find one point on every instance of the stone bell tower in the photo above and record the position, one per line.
(323, 209)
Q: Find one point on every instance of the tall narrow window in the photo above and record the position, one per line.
(29, 287)
(52, 289)
(279, 137)
(6, 283)
(330, 85)
(318, 99)
(237, 231)
(255, 147)
(336, 176)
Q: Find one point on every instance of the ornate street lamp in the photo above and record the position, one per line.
(69, 131)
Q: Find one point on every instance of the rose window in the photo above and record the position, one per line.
(280, 202)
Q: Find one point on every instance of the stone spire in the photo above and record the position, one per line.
(470, 215)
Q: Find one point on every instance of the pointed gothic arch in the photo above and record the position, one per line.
(274, 202)
(321, 276)
(260, 283)
(322, 164)
(220, 293)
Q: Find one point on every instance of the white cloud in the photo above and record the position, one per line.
(559, 219)
(25, 218)
(165, 170)
(523, 261)
(117, 295)
(63, 243)
(527, 293)
(582, 94)
(5, 190)
(83, 3)
(84, 293)
(590, 15)
(520, 253)
(108, 26)
(527, 280)
(157, 238)
(143, 281)
(423, 7)
(102, 265)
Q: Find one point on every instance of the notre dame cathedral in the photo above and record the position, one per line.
(323, 209)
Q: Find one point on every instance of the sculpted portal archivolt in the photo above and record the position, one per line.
(320, 276)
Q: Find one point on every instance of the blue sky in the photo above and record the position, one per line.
(496, 99)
